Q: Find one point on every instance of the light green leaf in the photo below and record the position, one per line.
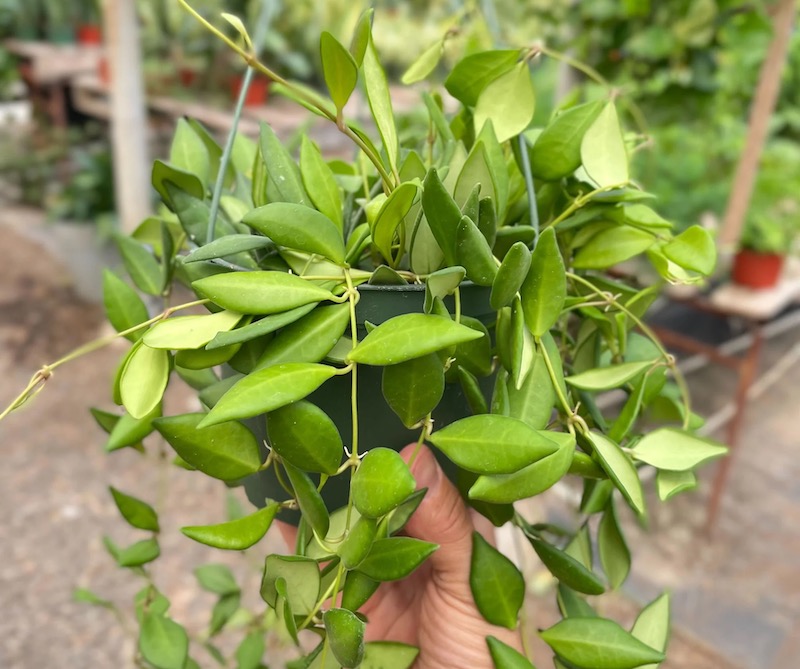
(165, 176)
(163, 642)
(361, 36)
(381, 482)
(388, 655)
(620, 469)
(475, 72)
(614, 553)
(188, 151)
(88, 597)
(189, 332)
(693, 249)
(508, 120)
(474, 254)
(603, 150)
(228, 451)
(260, 327)
(302, 581)
(338, 68)
(380, 103)
(612, 246)
(235, 535)
(141, 265)
(510, 275)
(129, 431)
(319, 182)
(309, 500)
(216, 578)
(606, 378)
(567, 569)
(414, 388)
(345, 636)
(652, 625)
(358, 543)
(557, 150)
(138, 554)
(139, 514)
(410, 336)
(506, 657)
(676, 450)
(268, 389)
(143, 380)
(284, 183)
(670, 483)
(239, 27)
(425, 63)
(260, 292)
(598, 643)
(492, 444)
(227, 246)
(202, 359)
(124, 307)
(395, 558)
(545, 288)
(476, 170)
(528, 481)
(497, 585)
(298, 227)
(303, 435)
(390, 217)
(250, 651)
(442, 283)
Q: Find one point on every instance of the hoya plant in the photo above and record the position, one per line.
(453, 289)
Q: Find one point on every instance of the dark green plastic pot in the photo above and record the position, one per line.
(378, 424)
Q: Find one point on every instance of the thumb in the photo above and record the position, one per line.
(441, 518)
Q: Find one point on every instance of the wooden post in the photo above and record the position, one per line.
(128, 113)
(764, 101)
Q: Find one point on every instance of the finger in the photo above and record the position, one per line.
(441, 518)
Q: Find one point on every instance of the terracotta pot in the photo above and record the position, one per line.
(103, 70)
(757, 270)
(187, 76)
(257, 94)
(90, 34)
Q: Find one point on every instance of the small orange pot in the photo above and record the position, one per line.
(257, 94)
(89, 34)
(757, 270)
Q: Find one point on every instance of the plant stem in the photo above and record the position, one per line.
(580, 202)
(529, 187)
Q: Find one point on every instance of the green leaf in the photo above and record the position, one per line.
(309, 339)
(476, 170)
(390, 217)
(557, 150)
(358, 543)
(693, 249)
(320, 183)
(606, 378)
(532, 402)
(603, 150)
(239, 27)
(492, 444)
(260, 327)
(235, 535)
(472, 392)
(612, 246)
(414, 388)
(227, 246)
(250, 651)
(141, 265)
(298, 227)
(163, 642)
(303, 435)
(572, 605)
(442, 214)
(139, 514)
(203, 359)
(620, 469)
(676, 450)
(345, 636)
(309, 500)
(409, 336)
(497, 585)
(189, 332)
(475, 356)
(167, 179)
(545, 288)
(361, 35)
(380, 103)
(670, 483)
(652, 625)
(302, 581)
(599, 643)
(129, 431)
(521, 345)
(227, 451)
(268, 389)
(475, 72)
(567, 569)
(143, 380)
(442, 283)
(216, 578)
(425, 63)
(506, 657)
(221, 614)
(381, 482)
(284, 183)
(338, 68)
(358, 588)
(88, 597)
(614, 553)
(138, 554)
(510, 275)
(124, 307)
(395, 558)
(388, 655)
(528, 481)
(474, 254)
(630, 411)
(260, 292)
(508, 120)
(188, 151)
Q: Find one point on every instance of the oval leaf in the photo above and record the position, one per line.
(620, 469)
(612, 246)
(508, 120)
(381, 483)
(124, 307)
(338, 68)
(189, 332)
(510, 275)
(345, 636)
(567, 569)
(603, 150)
(474, 254)
(506, 657)
(320, 182)
(163, 642)
(143, 380)
(395, 558)
(545, 288)
(606, 378)
(497, 585)
(414, 388)
(693, 249)
(235, 535)
(676, 450)
(303, 434)
(614, 554)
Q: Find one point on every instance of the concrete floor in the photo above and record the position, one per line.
(736, 594)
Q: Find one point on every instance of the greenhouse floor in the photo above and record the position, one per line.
(736, 594)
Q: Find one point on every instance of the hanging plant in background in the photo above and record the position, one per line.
(453, 290)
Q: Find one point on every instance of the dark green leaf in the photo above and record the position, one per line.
(567, 569)
(163, 642)
(474, 254)
(442, 214)
(358, 542)
(510, 275)
(345, 636)
(309, 500)
(545, 288)
(442, 283)
(381, 483)
(124, 307)
(303, 435)
(338, 68)
(533, 401)
(203, 359)
(620, 469)
(320, 182)
(284, 183)
(167, 179)
(227, 246)
(234, 535)
(129, 431)
(472, 392)
(227, 451)
(139, 514)
(572, 605)
(557, 150)
(141, 265)
(395, 558)
(497, 585)
(473, 73)
(414, 388)
(506, 657)
(260, 327)
(614, 554)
